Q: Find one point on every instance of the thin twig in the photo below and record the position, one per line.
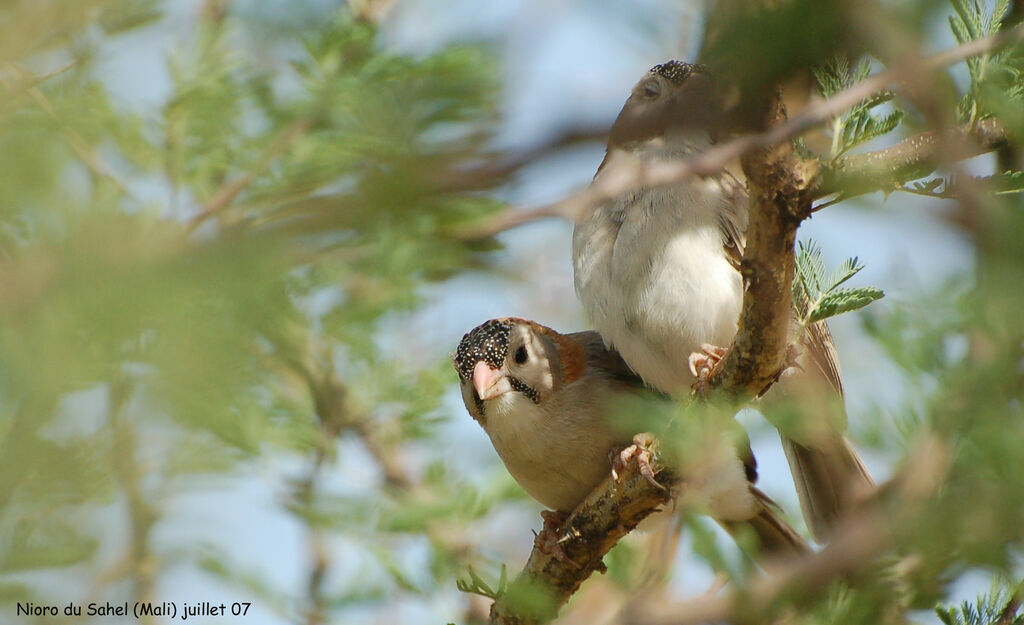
(859, 541)
(99, 167)
(330, 406)
(335, 415)
(228, 191)
(508, 219)
(141, 515)
(316, 611)
(717, 158)
(25, 81)
(495, 169)
(605, 516)
(916, 156)
(857, 546)
(822, 206)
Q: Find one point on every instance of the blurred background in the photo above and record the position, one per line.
(231, 276)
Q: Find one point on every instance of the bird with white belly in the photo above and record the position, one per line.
(657, 271)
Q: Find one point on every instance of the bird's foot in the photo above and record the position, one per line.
(643, 450)
(548, 541)
(703, 365)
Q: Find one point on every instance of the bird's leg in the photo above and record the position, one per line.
(703, 365)
(547, 541)
(641, 449)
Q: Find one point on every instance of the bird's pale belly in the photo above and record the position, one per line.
(690, 295)
(557, 460)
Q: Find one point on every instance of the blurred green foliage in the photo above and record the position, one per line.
(146, 336)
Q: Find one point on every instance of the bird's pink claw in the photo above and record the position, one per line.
(547, 541)
(703, 364)
(641, 450)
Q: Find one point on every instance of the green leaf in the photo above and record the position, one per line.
(857, 125)
(999, 13)
(810, 273)
(844, 300)
(44, 543)
(986, 610)
(834, 76)
(1006, 182)
(816, 292)
(478, 586)
(1001, 69)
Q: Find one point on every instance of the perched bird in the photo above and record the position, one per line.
(547, 401)
(657, 271)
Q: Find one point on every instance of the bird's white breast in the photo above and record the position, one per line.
(654, 280)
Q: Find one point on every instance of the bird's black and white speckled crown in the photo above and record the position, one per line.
(677, 71)
(488, 342)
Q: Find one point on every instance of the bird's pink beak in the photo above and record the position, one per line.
(489, 383)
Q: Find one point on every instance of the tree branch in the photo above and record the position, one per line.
(142, 516)
(909, 159)
(597, 524)
(507, 219)
(716, 159)
(227, 192)
(89, 157)
(1009, 612)
(495, 169)
(856, 547)
(779, 183)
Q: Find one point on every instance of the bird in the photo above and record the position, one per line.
(548, 403)
(657, 270)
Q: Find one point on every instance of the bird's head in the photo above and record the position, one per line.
(672, 97)
(503, 362)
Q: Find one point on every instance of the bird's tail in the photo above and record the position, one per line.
(775, 535)
(830, 478)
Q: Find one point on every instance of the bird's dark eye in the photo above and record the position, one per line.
(520, 355)
(651, 90)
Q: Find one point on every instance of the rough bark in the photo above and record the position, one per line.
(780, 186)
(597, 524)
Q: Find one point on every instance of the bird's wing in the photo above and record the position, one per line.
(610, 364)
(732, 221)
(732, 217)
(605, 360)
(822, 353)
